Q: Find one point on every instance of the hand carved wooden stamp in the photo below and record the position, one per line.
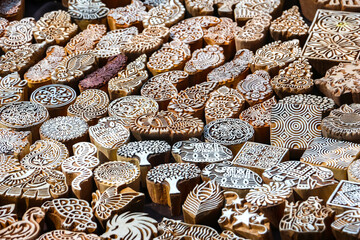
(68, 235)
(276, 55)
(130, 15)
(87, 39)
(353, 171)
(9, 164)
(129, 80)
(112, 43)
(108, 135)
(229, 132)
(15, 143)
(90, 105)
(223, 34)
(99, 78)
(27, 228)
(345, 197)
(305, 179)
(332, 39)
(166, 125)
(18, 34)
(115, 200)
(129, 226)
(200, 153)
(128, 108)
(259, 117)
(12, 9)
(3, 25)
(73, 67)
(232, 72)
(192, 100)
(343, 123)
(294, 79)
(116, 173)
(243, 218)
(333, 154)
(258, 157)
(55, 97)
(254, 34)
(340, 83)
(7, 216)
(174, 229)
(40, 74)
(199, 7)
(232, 178)
(55, 28)
(86, 12)
(70, 214)
(20, 60)
(223, 103)
(171, 56)
(256, 87)
(290, 25)
(245, 10)
(305, 219)
(24, 116)
(202, 62)
(270, 199)
(346, 225)
(168, 13)
(164, 87)
(324, 103)
(169, 184)
(67, 130)
(12, 89)
(78, 169)
(293, 126)
(203, 203)
(145, 154)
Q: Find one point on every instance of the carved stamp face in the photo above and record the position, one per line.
(87, 9)
(354, 171)
(12, 88)
(130, 15)
(18, 34)
(347, 224)
(345, 196)
(14, 142)
(324, 103)
(65, 234)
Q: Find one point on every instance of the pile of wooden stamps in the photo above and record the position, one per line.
(230, 119)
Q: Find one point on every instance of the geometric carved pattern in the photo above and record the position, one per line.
(346, 196)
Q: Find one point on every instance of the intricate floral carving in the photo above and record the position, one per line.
(70, 214)
(200, 7)
(343, 123)
(276, 55)
(90, 105)
(168, 13)
(12, 88)
(324, 103)
(55, 28)
(171, 56)
(294, 126)
(78, 169)
(87, 39)
(9, 164)
(294, 79)
(18, 34)
(333, 154)
(129, 108)
(248, 9)
(87, 10)
(243, 218)
(130, 15)
(14, 142)
(129, 80)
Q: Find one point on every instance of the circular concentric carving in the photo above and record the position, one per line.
(53, 95)
(22, 114)
(228, 131)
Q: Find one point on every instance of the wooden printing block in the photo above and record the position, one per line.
(303, 178)
(169, 184)
(3, 25)
(344, 197)
(145, 154)
(200, 153)
(15, 143)
(311, 208)
(78, 169)
(55, 97)
(203, 203)
(345, 226)
(232, 133)
(259, 117)
(108, 135)
(70, 235)
(270, 199)
(115, 173)
(12, 10)
(12, 89)
(167, 14)
(353, 171)
(258, 157)
(333, 154)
